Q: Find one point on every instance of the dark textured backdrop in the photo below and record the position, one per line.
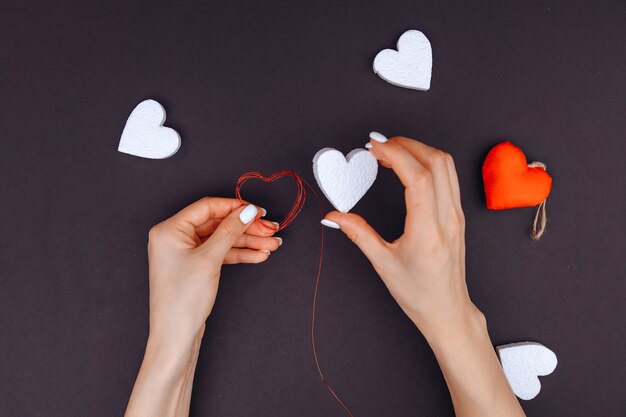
(257, 86)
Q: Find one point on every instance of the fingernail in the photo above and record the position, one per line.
(378, 137)
(248, 213)
(368, 145)
(280, 240)
(266, 251)
(330, 224)
(263, 212)
(276, 224)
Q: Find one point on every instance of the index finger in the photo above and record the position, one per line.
(441, 165)
(416, 178)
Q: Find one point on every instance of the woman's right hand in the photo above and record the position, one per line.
(424, 269)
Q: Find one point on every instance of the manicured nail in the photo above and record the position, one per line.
(248, 213)
(280, 240)
(368, 145)
(263, 212)
(330, 224)
(378, 137)
(265, 250)
(276, 224)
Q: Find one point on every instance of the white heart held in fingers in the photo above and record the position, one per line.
(344, 180)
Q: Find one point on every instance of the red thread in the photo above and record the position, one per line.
(289, 218)
(300, 197)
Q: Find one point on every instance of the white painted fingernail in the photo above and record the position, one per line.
(248, 213)
(368, 145)
(330, 224)
(378, 137)
(263, 212)
(280, 240)
(276, 224)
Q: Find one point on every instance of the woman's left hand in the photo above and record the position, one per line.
(186, 253)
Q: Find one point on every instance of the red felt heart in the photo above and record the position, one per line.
(510, 182)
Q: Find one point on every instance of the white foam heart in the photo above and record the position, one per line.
(344, 180)
(411, 65)
(144, 134)
(522, 364)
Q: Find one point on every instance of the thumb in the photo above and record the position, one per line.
(361, 233)
(229, 230)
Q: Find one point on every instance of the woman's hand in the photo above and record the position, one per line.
(424, 271)
(186, 253)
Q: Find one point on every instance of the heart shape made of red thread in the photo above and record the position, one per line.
(300, 196)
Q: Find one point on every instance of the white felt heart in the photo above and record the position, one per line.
(144, 134)
(522, 363)
(411, 65)
(344, 180)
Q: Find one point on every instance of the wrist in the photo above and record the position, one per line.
(165, 377)
(464, 321)
(172, 354)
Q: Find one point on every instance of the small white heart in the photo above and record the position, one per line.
(411, 65)
(144, 134)
(344, 180)
(522, 363)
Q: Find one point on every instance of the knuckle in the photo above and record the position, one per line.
(156, 232)
(438, 159)
(393, 147)
(358, 223)
(422, 179)
(353, 235)
(257, 257)
(263, 243)
(206, 202)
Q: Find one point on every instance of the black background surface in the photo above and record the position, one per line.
(253, 85)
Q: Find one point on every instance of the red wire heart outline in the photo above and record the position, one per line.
(300, 196)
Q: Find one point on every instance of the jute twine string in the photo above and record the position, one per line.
(539, 222)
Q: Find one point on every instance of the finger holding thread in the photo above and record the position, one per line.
(260, 227)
